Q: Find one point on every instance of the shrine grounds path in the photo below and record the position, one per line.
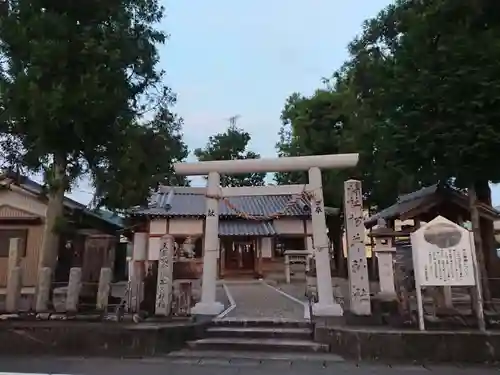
(220, 366)
(258, 300)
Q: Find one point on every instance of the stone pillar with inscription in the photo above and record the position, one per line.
(208, 306)
(164, 286)
(326, 305)
(359, 284)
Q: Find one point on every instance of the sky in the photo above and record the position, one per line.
(226, 58)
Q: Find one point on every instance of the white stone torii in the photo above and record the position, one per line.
(326, 305)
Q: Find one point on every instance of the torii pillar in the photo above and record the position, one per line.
(326, 306)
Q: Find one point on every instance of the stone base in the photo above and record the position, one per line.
(321, 310)
(95, 339)
(373, 343)
(353, 319)
(207, 309)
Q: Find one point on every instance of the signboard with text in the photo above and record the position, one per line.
(443, 254)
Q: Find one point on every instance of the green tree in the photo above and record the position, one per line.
(231, 145)
(316, 126)
(75, 77)
(412, 46)
(430, 69)
(333, 120)
(142, 162)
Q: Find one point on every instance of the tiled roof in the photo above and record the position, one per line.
(246, 228)
(427, 195)
(193, 204)
(34, 187)
(404, 204)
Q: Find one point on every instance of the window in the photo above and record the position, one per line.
(198, 245)
(283, 244)
(6, 235)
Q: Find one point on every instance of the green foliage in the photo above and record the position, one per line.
(429, 69)
(313, 126)
(231, 145)
(418, 99)
(75, 78)
(142, 162)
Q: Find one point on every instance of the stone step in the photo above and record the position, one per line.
(270, 345)
(257, 355)
(274, 323)
(261, 332)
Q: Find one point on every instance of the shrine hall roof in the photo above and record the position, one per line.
(246, 228)
(191, 202)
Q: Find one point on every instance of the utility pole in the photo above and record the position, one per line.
(233, 120)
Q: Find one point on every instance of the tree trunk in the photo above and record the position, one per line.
(334, 224)
(478, 242)
(57, 187)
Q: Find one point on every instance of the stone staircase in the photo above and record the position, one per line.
(258, 335)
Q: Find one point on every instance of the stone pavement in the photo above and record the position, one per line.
(340, 289)
(255, 299)
(220, 366)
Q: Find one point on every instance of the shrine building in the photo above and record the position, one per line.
(255, 230)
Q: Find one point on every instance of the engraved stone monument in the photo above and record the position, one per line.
(164, 286)
(359, 285)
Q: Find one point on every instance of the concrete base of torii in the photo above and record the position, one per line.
(334, 309)
(207, 309)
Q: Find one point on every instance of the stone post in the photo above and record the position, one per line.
(14, 290)
(104, 288)
(310, 250)
(74, 287)
(448, 297)
(137, 269)
(208, 305)
(14, 276)
(164, 285)
(386, 273)
(43, 289)
(287, 268)
(326, 306)
(14, 253)
(359, 285)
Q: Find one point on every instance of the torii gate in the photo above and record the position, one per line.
(326, 305)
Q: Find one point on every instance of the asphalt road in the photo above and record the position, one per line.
(221, 366)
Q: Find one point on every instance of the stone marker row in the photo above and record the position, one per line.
(14, 285)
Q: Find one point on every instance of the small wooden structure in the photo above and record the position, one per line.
(442, 199)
